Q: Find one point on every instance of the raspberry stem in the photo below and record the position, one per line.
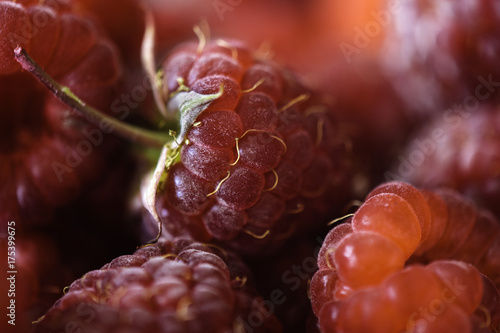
(94, 116)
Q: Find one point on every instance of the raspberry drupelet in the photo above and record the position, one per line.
(260, 163)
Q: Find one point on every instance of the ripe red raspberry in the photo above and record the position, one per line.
(445, 52)
(461, 151)
(260, 163)
(168, 287)
(48, 156)
(404, 226)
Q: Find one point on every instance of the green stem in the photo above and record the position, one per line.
(96, 117)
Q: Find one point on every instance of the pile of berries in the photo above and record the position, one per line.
(152, 181)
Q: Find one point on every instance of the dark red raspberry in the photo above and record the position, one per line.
(168, 287)
(459, 151)
(47, 154)
(261, 162)
(445, 52)
(400, 225)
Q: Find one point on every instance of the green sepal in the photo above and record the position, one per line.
(190, 105)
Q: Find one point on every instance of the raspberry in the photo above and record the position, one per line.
(176, 286)
(465, 158)
(42, 161)
(261, 160)
(390, 225)
(446, 51)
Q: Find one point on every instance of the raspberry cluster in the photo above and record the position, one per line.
(363, 261)
(253, 157)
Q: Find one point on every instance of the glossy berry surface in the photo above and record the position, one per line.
(376, 256)
(261, 162)
(169, 287)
